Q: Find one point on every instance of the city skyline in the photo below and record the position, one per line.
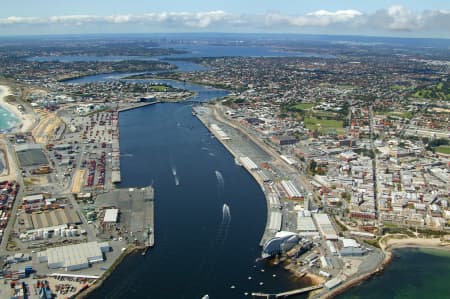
(385, 18)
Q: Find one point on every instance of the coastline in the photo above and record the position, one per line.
(99, 282)
(25, 121)
(392, 243)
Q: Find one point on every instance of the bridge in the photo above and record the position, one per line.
(288, 293)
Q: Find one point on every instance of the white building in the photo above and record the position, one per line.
(111, 216)
(73, 257)
(325, 226)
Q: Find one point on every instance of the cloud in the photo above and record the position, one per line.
(392, 19)
(321, 18)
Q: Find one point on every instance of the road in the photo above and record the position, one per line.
(13, 172)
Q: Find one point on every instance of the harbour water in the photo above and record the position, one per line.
(198, 249)
(413, 274)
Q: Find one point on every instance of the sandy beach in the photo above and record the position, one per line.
(389, 242)
(26, 121)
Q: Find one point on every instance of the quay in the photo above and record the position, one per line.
(253, 170)
(288, 293)
(136, 208)
(115, 154)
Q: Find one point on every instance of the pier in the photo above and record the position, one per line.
(115, 154)
(288, 293)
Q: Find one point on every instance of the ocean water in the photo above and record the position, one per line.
(8, 120)
(413, 274)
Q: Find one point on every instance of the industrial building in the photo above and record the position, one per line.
(50, 218)
(111, 216)
(275, 221)
(350, 248)
(305, 224)
(219, 132)
(283, 140)
(248, 163)
(74, 257)
(31, 155)
(291, 190)
(325, 226)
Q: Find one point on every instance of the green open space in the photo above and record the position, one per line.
(402, 114)
(324, 125)
(159, 88)
(303, 106)
(440, 91)
(444, 149)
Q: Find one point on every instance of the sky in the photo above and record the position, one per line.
(410, 18)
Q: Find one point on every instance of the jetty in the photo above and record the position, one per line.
(288, 293)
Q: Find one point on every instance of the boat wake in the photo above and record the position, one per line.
(220, 180)
(174, 171)
(224, 225)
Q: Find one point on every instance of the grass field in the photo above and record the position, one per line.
(405, 114)
(303, 106)
(444, 149)
(324, 125)
(159, 88)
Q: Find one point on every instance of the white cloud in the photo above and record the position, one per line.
(321, 18)
(392, 19)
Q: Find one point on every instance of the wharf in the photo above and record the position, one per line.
(115, 155)
(228, 142)
(136, 206)
(288, 293)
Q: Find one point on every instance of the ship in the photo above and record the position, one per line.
(205, 297)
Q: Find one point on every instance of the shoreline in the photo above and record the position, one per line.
(99, 282)
(392, 244)
(24, 121)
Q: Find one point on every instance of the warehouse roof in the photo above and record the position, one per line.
(73, 255)
(111, 215)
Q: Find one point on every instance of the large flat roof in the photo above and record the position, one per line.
(73, 255)
(111, 215)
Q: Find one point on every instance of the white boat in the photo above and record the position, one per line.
(205, 297)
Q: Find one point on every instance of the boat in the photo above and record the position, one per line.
(236, 161)
(205, 296)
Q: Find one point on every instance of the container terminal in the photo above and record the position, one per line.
(73, 224)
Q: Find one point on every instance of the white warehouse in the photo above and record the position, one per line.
(325, 226)
(73, 257)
